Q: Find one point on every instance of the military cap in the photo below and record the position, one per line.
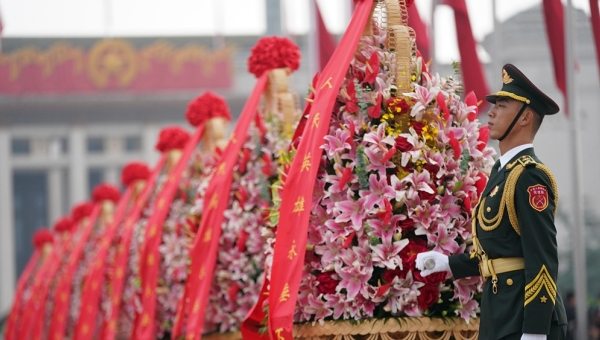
(517, 86)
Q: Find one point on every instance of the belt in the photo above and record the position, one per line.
(498, 266)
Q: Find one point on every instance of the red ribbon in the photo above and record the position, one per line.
(62, 294)
(117, 281)
(94, 280)
(206, 244)
(150, 259)
(12, 328)
(292, 230)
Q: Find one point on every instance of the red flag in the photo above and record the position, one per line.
(555, 28)
(94, 280)
(62, 294)
(595, 16)
(204, 250)
(472, 70)
(326, 42)
(414, 21)
(150, 258)
(117, 281)
(15, 316)
(291, 236)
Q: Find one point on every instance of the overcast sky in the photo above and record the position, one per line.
(71, 18)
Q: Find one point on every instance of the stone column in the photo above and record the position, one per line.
(7, 238)
(77, 165)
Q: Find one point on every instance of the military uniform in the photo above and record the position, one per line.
(514, 237)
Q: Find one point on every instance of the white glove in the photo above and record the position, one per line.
(533, 336)
(441, 262)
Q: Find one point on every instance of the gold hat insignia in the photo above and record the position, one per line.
(506, 79)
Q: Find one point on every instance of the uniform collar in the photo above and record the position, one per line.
(512, 153)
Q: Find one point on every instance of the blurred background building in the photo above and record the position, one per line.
(73, 111)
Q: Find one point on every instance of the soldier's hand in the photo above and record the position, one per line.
(432, 262)
(533, 336)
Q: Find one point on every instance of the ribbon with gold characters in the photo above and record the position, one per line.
(34, 320)
(150, 258)
(94, 280)
(62, 294)
(117, 281)
(17, 309)
(204, 250)
(292, 230)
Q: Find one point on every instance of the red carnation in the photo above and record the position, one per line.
(273, 52)
(134, 171)
(429, 294)
(41, 237)
(172, 137)
(205, 107)
(63, 225)
(81, 211)
(327, 284)
(103, 192)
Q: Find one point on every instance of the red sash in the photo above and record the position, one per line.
(204, 251)
(15, 314)
(150, 259)
(117, 281)
(62, 295)
(94, 280)
(288, 259)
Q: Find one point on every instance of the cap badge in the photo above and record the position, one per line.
(506, 79)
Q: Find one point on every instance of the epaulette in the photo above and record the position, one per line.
(525, 160)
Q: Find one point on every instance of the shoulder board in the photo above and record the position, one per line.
(525, 160)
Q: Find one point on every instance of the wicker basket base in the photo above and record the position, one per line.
(387, 329)
(379, 329)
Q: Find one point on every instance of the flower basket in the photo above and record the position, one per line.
(396, 167)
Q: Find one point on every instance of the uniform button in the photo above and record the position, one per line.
(509, 282)
(488, 209)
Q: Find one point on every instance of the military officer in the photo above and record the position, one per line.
(514, 237)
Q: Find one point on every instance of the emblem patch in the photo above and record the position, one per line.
(494, 191)
(538, 197)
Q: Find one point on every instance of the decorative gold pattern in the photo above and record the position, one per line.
(542, 280)
(115, 58)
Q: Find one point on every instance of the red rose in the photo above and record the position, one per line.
(402, 144)
(409, 253)
(432, 168)
(418, 126)
(398, 105)
(427, 196)
(389, 275)
(327, 284)
(407, 225)
(429, 295)
(433, 279)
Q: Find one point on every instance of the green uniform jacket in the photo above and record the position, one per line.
(528, 300)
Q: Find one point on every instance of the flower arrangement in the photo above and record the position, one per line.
(105, 192)
(134, 171)
(172, 137)
(399, 174)
(41, 237)
(80, 212)
(273, 52)
(205, 107)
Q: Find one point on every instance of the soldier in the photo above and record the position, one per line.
(514, 237)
